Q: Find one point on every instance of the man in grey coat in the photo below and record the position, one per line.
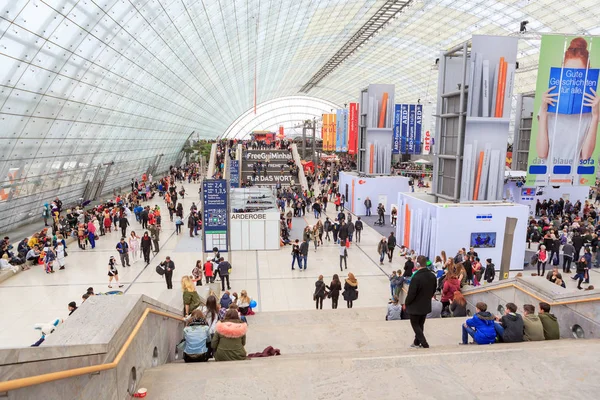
(368, 206)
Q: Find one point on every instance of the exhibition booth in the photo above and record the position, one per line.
(428, 228)
(381, 189)
(254, 219)
(529, 196)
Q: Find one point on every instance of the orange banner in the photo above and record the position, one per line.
(324, 134)
(332, 131)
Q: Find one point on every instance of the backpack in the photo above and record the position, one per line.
(160, 270)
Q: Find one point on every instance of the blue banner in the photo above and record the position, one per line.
(338, 130)
(418, 127)
(234, 174)
(396, 141)
(412, 134)
(344, 127)
(214, 196)
(404, 128)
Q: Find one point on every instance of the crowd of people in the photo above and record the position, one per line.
(567, 231)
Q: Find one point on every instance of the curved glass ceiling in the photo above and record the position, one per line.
(288, 112)
(85, 83)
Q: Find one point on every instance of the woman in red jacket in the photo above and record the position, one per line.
(451, 285)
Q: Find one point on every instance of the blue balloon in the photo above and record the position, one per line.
(252, 304)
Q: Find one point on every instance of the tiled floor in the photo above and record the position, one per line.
(34, 297)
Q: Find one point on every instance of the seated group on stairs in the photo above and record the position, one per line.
(214, 330)
(511, 327)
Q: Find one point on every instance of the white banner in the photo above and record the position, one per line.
(426, 129)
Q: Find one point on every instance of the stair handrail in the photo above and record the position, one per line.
(21, 383)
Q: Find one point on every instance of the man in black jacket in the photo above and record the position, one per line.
(358, 227)
(418, 300)
(169, 266)
(123, 223)
(391, 245)
(224, 268)
(509, 327)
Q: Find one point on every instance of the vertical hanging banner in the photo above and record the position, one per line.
(324, 134)
(353, 129)
(418, 128)
(426, 129)
(234, 174)
(332, 132)
(404, 128)
(412, 131)
(397, 133)
(344, 134)
(214, 197)
(564, 132)
(339, 120)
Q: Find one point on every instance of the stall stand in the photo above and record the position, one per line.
(381, 189)
(528, 196)
(428, 228)
(255, 230)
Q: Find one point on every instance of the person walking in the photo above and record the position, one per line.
(146, 244)
(304, 253)
(368, 206)
(335, 287)
(382, 249)
(320, 292)
(351, 229)
(343, 256)
(358, 227)
(155, 235)
(123, 249)
(169, 266)
(134, 245)
(123, 224)
(113, 273)
(224, 268)
(418, 300)
(192, 223)
(296, 254)
(350, 290)
(391, 246)
(327, 227)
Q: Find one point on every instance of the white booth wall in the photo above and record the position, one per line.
(436, 227)
(255, 231)
(572, 193)
(381, 189)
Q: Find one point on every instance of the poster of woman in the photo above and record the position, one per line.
(564, 131)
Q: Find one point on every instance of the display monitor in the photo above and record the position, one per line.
(483, 239)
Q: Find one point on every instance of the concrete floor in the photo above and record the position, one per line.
(342, 354)
(32, 296)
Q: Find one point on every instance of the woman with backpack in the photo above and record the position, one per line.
(542, 259)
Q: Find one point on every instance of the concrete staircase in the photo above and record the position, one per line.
(356, 354)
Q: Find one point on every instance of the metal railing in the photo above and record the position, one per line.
(21, 383)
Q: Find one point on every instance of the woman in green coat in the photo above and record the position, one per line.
(230, 338)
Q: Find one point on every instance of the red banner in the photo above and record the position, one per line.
(353, 129)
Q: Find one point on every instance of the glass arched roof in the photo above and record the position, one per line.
(288, 112)
(85, 83)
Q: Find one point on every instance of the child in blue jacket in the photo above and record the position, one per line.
(480, 327)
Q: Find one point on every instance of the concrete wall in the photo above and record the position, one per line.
(586, 315)
(94, 334)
